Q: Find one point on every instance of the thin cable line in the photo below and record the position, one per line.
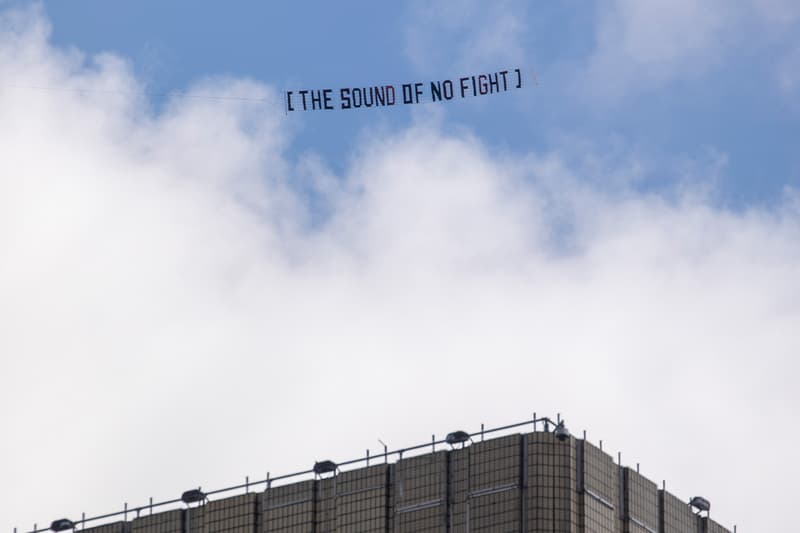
(136, 93)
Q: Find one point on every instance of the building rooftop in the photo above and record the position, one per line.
(533, 476)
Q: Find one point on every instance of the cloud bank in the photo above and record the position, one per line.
(181, 304)
(477, 35)
(645, 45)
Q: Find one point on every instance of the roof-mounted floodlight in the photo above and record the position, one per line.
(561, 432)
(700, 503)
(62, 524)
(324, 467)
(456, 437)
(193, 496)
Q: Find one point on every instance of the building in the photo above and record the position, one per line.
(543, 481)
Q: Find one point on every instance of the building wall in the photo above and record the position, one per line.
(288, 509)
(600, 491)
(709, 526)
(419, 494)
(641, 510)
(115, 527)
(529, 483)
(675, 516)
(552, 497)
(166, 522)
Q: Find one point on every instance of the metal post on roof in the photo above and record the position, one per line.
(385, 451)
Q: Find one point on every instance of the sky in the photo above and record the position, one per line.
(196, 286)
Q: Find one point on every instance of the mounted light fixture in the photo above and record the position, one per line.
(193, 496)
(457, 437)
(700, 503)
(324, 467)
(62, 524)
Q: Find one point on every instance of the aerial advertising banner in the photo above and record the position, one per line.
(470, 86)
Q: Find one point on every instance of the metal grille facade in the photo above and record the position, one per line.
(641, 503)
(167, 522)
(231, 515)
(116, 527)
(288, 509)
(675, 515)
(600, 491)
(519, 483)
(419, 494)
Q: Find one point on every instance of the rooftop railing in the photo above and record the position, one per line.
(319, 468)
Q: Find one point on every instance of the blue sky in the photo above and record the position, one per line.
(704, 102)
(618, 244)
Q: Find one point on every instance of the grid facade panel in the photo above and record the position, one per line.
(419, 494)
(677, 515)
(599, 518)
(116, 527)
(496, 512)
(425, 520)
(633, 527)
(166, 522)
(495, 463)
(552, 499)
(231, 515)
(361, 500)
(601, 491)
(600, 474)
(195, 519)
(288, 508)
(641, 503)
(494, 485)
(713, 527)
(325, 505)
(458, 489)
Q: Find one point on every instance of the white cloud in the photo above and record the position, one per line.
(781, 12)
(638, 46)
(642, 45)
(787, 74)
(645, 43)
(169, 319)
(466, 35)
